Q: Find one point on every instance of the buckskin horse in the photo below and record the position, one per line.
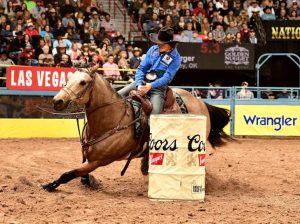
(110, 132)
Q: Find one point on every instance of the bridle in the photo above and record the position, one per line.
(81, 94)
(78, 96)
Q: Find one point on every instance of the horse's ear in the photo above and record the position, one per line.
(70, 74)
(93, 70)
(84, 70)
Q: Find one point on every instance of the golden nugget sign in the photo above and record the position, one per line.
(282, 30)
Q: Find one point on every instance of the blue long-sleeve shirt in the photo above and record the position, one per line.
(165, 65)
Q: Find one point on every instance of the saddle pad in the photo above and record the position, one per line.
(137, 115)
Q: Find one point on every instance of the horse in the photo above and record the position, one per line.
(110, 118)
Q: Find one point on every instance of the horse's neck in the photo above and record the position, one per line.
(102, 119)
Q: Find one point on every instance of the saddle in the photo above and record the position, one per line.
(170, 105)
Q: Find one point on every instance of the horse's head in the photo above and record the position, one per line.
(77, 89)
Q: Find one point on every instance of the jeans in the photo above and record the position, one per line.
(157, 96)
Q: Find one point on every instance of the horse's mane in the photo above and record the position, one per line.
(108, 85)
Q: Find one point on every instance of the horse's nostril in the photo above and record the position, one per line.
(58, 102)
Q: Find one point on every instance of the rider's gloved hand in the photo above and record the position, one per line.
(143, 89)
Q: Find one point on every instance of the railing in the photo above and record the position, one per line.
(257, 116)
(202, 92)
(123, 11)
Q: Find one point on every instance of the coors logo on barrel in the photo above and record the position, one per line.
(156, 158)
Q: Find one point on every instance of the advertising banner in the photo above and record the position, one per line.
(177, 157)
(282, 30)
(215, 56)
(267, 120)
(37, 78)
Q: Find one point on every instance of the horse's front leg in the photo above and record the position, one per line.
(84, 170)
(85, 180)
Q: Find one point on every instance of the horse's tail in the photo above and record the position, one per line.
(219, 118)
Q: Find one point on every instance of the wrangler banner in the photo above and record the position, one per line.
(37, 78)
(216, 56)
(265, 120)
(282, 30)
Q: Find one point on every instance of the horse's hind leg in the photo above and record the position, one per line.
(85, 169)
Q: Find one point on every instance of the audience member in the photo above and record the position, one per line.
(268, 15)
(254, 7)
(232, 28)
(218, 33)
(295, 8)
(136, 59)
(152, 25)
(284, 94)
(294, 15)
(181, 37)
(31, 30)
(245, 93)
(4, 60)
(119, 43)
(65, 61)
(228, 38)
(244, 32)
(108, 24)
(230, 17)
(46, 59)
(252, 39)
(109, 71)
(37, 10)
(195, 37)
(199, 8)
(27, 56)
(215, 92)
(282, 15)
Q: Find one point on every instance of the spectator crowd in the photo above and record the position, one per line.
(80, 33)
(224, 21)
(63, 33)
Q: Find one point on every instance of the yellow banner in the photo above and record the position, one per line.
(39, 128)
(227, 127)
(267, 120)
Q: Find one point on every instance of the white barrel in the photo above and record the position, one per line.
(177, 157)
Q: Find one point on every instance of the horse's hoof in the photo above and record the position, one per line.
(50, 187)
(86, 181)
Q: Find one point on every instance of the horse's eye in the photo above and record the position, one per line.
(82, 83)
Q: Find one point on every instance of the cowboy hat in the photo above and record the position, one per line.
(19, 32)
(255, 10)
(137, 49)
(165, 35)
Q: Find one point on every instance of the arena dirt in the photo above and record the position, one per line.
(250, 181)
